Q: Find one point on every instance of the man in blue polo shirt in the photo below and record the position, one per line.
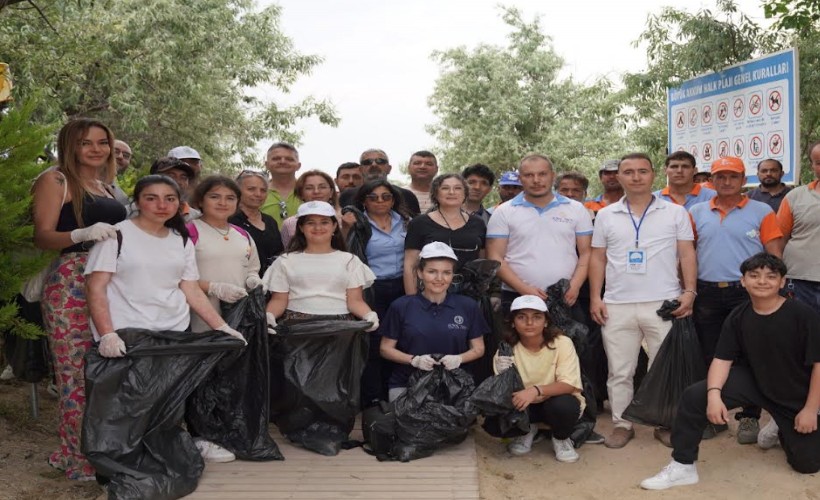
(680, 181)
(729, 229)
(539, 237)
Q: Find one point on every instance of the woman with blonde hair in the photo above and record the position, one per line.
(73, 207)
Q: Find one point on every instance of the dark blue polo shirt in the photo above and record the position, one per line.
(422, 327)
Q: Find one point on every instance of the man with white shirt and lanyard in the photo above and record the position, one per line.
(636, 245)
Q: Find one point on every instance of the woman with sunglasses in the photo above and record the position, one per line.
(446, 222)
(313, 185)
(546, 360)
(261, 226)
(73, 209)
(431, 321)
(382, 205)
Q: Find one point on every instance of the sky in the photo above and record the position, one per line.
(378, 72)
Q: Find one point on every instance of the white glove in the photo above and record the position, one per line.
(271, 323)
(372, 317)
(253, 281)
(96, 232)
(226, 292)
(233, 333)
(503, 363)
(424, 362)
(451, 361)
(495, 302)
(111, 346)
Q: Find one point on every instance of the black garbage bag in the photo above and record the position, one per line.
(477, 276)
(586, 424)
(493, 399)
(562, 317)
(357, 239)
(29, 358)
(433, 412)
(678, 364)
(230, 407)
(134, 407)
(316, 370)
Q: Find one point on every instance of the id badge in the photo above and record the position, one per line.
(636, 261)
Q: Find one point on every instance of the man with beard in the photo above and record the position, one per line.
(770, 191)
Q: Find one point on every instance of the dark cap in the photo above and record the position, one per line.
(166, 163)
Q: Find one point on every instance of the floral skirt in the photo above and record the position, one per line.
(66, 321)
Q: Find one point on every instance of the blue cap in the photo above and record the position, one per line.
(509, 179)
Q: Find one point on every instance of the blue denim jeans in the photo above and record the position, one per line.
(807, 292)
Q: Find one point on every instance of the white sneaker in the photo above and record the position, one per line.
(674, 474)
(767, 437)
(7, 374)
(212, 452)
(564, 450)
(523, 444)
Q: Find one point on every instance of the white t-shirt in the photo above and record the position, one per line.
(224, 261)
(144, 289)
(425, 203)
(541, 242)
(317, 283)
(664, 225)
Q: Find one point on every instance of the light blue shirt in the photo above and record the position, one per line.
(385, 251)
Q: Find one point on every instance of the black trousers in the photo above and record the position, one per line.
(559, 412)
(802, 450)
(377, 370)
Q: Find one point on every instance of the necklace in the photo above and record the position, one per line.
(445, 218)
(224, 235)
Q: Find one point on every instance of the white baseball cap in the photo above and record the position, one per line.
(181, 152)
(528, 302)
(437, 250)
(316, 208)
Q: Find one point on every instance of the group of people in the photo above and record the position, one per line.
(166, 257)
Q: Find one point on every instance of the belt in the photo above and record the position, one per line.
(720, 284)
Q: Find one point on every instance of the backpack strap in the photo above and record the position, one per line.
(241, 231)
(193, 232)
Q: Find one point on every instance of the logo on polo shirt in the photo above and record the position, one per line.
(457, 324)
(753, 234)
(562, 217)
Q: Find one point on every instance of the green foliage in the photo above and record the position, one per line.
(496, 104)
(21, 142)
(162, 73)
(797, 15)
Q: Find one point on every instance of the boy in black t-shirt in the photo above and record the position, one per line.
(774, 344)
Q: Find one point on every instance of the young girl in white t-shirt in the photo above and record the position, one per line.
(317, 278)
(546, 360)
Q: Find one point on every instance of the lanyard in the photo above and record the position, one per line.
(640, 222)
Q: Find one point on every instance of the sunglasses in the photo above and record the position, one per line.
(384, 197)
(255, 173)
(377, 161)
(283, 210)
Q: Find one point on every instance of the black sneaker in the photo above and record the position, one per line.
(595, 438)
(713, 430)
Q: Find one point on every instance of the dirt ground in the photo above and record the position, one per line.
(727, 470)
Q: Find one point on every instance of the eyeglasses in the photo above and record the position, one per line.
(371, 161)
(384, 197)
(283, 210)
(248, 173)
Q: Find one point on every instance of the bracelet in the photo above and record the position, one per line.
(719, 389)
(538, 390)
(692, 292)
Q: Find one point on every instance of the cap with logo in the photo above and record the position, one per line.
(184, 152)
(167, 163)
(728, 164)
(509, 179)
(528, 302)
(437, 250)
(610, 166)
(316, 208)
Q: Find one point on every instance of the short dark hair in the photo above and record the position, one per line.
(680, 155)
(764, 260)
(636, 156)
(480, 170)
(211, 182)
(345, 166)
(284, 145)
(425, 154)
(573, 176)
(776, 162)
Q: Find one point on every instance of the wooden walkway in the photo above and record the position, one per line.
(451, 473)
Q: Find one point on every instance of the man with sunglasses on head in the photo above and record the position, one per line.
(282, 161)
(375, 165)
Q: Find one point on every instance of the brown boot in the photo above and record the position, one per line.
(619, 437)
(664, 436)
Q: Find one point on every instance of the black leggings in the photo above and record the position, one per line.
(559, 412)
